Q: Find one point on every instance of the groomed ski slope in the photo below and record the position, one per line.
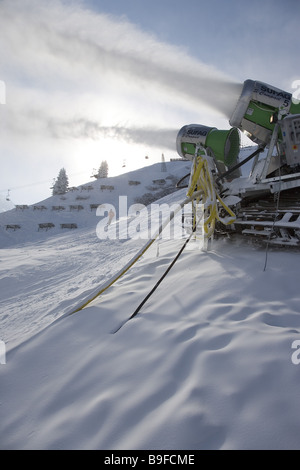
(206, 364)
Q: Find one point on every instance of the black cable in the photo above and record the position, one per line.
(181, 179)
(238, 165)
(157, 284)
(275, 218)
(229, 171)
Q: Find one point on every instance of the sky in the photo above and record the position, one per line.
(82, 81)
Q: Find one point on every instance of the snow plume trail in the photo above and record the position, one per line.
(70, 52)
(81, 128)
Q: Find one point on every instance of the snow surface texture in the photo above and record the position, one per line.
(206, 364)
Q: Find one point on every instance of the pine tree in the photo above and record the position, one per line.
(103, 170)
(61, 183)
(163, 164)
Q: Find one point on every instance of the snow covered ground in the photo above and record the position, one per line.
(210, 362)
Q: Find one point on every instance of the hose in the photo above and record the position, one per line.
(201, 181)
(111, 281)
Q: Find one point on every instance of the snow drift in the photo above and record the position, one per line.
(208, 363)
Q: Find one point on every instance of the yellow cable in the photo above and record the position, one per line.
(202, 180)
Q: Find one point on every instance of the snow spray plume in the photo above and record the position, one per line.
(79, 48)
(81, 128)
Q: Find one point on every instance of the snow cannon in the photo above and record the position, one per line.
(224, 145)
(260, 201)
(259, 108)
